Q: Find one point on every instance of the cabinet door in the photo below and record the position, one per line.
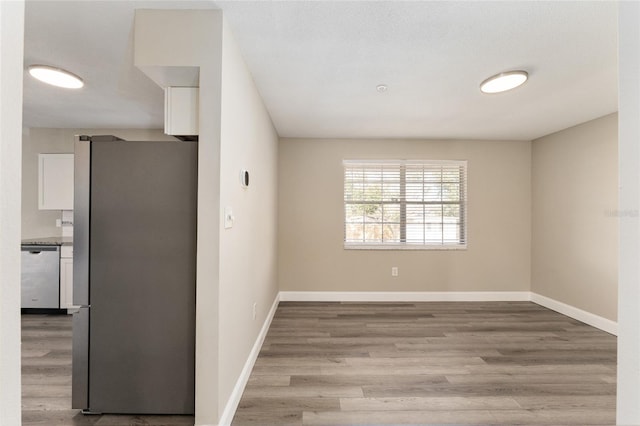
(55, 181)
(181, 111)
(66, 283)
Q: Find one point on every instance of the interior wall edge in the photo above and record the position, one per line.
(11, 72)
(628, 389)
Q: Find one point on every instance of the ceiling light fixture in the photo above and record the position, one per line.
(56, 76)
(504, 81)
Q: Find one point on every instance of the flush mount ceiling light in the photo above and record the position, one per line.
(56, 76)
(381, 88)
(504, 81)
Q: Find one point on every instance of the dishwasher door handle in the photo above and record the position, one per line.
(35, 249)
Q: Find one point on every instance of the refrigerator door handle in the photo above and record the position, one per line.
(81, 212)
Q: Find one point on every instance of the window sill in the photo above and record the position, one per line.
(355, 246)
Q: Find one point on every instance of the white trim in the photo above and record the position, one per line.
(404, 296)
(241, 383)
(594, 320)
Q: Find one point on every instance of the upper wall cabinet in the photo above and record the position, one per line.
(181, 111)
(55, 181)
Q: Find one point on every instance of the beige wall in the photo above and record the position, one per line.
(310, 225)
(248, 250)
(42, 223)
(574, 219)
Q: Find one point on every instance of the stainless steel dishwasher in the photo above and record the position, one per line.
(40, 276)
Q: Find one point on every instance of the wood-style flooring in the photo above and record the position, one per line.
(502, 363)
(46, 380)
(498, 363)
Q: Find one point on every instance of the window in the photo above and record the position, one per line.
(405, 204)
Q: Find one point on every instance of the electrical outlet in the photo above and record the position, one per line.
(255, 306)
(394, 271)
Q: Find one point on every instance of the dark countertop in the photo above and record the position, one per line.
(49, 241)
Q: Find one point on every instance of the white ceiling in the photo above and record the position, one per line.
(317, 64)
(93, 39)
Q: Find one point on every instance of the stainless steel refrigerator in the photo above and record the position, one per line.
(134, 276)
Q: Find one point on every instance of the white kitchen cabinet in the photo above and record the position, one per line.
(66, 278)
(181, 111)
(55, 181)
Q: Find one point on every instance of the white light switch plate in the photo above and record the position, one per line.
(228, 218)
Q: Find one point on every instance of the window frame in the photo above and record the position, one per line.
(403, 165)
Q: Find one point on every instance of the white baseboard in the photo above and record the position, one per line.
(453, 296)
(403, 296)
(241, 383)
(593, 320)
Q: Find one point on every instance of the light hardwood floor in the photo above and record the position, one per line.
(502, 363)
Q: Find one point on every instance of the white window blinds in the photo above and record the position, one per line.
(405, 204)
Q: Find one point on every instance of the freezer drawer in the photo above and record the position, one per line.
(40, 279)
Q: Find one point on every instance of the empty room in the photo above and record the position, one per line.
(319, 212)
